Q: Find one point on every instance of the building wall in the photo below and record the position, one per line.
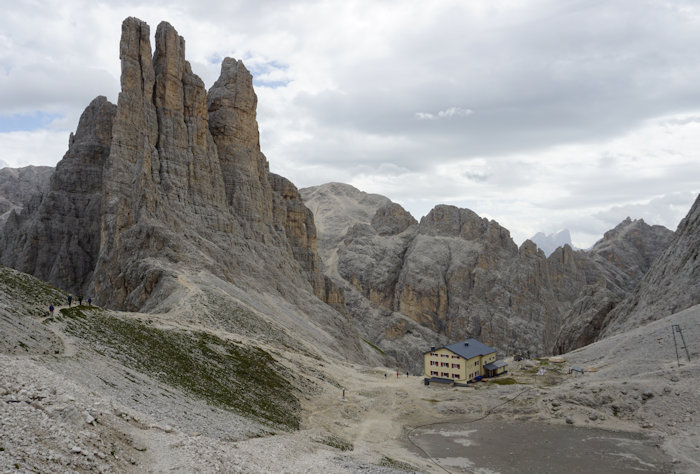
(456, 368)
(487, 359)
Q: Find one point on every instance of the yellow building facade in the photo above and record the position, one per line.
(461, 362)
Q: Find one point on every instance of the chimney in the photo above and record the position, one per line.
(466, 343)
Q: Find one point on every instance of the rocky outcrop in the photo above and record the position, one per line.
(56, 236)
(18, 185)
(672, 283)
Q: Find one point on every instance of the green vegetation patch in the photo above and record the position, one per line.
(243, 379)
(335, 442)
(28, 294)
(394, 464)
(376, 348)
(504, 381)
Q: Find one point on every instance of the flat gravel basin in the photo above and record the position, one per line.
(488, 447)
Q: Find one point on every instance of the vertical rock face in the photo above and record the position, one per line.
(162, 176)
(56, 237)
(171, 179)
(232, 121)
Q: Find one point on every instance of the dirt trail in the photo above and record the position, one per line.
(69, 347)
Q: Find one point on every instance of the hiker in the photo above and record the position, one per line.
(51, 309)
(70, 300)
(80, 300)
(406, 374)
(90, 301)
(384, 375)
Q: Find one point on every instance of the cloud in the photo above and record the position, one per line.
(38, 147)
(448, 113)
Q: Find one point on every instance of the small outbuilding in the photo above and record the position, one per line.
(496, 368)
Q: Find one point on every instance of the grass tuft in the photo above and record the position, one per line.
(335, 442)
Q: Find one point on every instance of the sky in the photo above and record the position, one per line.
(539, 114)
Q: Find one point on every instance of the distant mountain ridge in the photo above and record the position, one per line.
(550, 242)
(463, 276)
(18, 185)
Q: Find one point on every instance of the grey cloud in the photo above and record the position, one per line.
(583, 73)
(476, 176)
(616, 187)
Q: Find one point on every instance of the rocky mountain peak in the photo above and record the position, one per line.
(56, 237)
(177, 184)
(671, 284)
(392, 219)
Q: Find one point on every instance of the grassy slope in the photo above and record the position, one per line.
(244, 379)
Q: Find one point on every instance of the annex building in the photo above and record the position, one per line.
(463, 361)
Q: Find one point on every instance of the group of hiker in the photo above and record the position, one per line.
(70, 302)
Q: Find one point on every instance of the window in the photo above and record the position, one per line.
(455, 357)
(433, 362)
(455, 366)
(445, 374)
(444, 355)
(455, 376)
(476, 363)
(444, 364)
(432, 372)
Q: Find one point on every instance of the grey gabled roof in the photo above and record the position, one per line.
(495, 365)
(469, 348)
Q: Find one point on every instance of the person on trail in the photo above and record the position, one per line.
(90, 301)
(80, 300)
(70, 300)
(51, 309)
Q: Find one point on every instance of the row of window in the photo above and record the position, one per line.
(433, 354)
(454, 376)
(444, 374)
(444, 364)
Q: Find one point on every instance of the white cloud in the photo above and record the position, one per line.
(448, 113)
(39, 147)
